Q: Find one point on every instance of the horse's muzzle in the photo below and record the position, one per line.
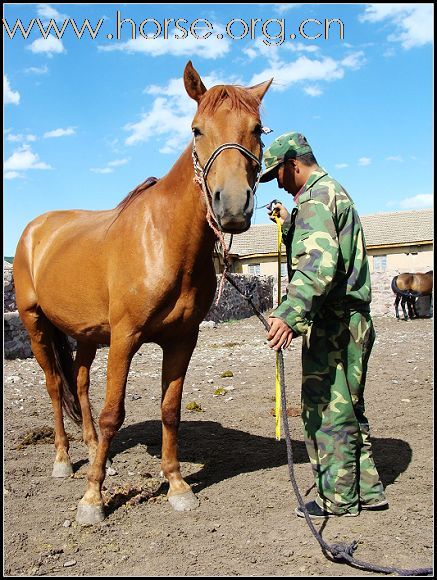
(234, 227)
(233, 217)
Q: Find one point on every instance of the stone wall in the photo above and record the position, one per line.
(232, 306)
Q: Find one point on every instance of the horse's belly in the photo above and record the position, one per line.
(180, 316)
(76, 319)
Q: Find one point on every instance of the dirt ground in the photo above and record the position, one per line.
(245, 525)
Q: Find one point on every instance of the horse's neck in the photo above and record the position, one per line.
(186, 206)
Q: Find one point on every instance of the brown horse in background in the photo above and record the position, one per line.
(407, 288)
(141, 272)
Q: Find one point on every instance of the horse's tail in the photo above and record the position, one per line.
(64, 362)
(394, 286)
(396, 290)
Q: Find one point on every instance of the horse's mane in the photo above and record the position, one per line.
(135, 193)
(124, 203)
(240, 99)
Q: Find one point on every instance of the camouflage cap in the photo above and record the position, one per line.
(287, 146)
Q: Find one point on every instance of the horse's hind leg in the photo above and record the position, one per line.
(41, 333)
(176, 357)
(413, 313)
(397, 300)
(403, 302)
(84, 358)
(122, 348)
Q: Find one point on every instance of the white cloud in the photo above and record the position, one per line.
(191, 46)
(24, 159)
(417, 202)
(37, 70)
(10, 97)
(413, 23)
(250, 52)
(118, 162)
(47, 11)
(398, 158)
(11, 175)
(167, 116)
(282, 8)
(101, 169)
(364, 161)
(306, 69)
(59, 133)
(301, 47)
(170, 116)
(19, 138)
(109, 166)
(341, 165)
(313, 91)
(49, 46)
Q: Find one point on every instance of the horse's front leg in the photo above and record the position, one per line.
(176, 357)
(123, 346)
(397, 300)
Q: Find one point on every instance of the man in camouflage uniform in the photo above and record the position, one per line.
(327, 303)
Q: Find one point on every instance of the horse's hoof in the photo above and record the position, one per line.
(183, 502)
(88, 515)
(62, 469)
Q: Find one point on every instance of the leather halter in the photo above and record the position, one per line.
(201, 173)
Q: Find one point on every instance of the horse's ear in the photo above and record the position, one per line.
(193, 83)
(260, 90)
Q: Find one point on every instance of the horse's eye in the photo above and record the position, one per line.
(196, 131)
(257, 129)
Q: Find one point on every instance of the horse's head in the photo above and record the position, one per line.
(228, 115)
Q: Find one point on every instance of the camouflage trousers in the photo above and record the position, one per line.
(335, 355)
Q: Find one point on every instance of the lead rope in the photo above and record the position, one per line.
(339, 552)
(277, 373)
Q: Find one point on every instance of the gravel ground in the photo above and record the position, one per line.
(245, 525)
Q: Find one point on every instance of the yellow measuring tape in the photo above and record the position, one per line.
(278, 381)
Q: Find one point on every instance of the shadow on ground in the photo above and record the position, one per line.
(225, 453)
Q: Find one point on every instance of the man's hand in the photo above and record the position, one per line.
(276, 208)
(280, 334)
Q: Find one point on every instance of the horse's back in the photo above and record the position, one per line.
(423, 282)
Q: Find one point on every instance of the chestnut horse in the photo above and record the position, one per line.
(141, 272)
(407, 287)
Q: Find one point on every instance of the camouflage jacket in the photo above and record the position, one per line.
(327, 260)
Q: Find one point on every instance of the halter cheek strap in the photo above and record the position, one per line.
(200, 175)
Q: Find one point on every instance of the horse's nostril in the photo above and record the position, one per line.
(217, 195)
(248, 200)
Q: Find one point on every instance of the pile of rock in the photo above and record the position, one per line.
(16, 339)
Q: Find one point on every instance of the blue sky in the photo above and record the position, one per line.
(86, 120)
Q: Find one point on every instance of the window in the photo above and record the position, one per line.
(379, 263)
(254, 269)
(284, 271)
